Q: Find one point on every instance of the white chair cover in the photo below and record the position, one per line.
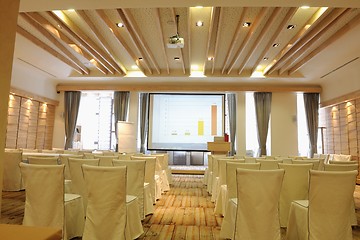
(342, 162)
(135, 177)
(12, 180)
(326, 214)
(46, 204)
(230, 195)
(315, 162)
(106, 160)
(269, 164)
(160, 169)
(219, 204)
(44, 160)
(64, 159)
(150, 177)
(258, 193)
(215, 175)
(106, 211)
(77, 178)
(295, 186)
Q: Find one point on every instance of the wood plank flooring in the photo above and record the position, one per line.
(185, 212)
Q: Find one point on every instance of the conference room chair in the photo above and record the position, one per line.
(150, 176)
(215, 175)
(219, 204)
(106, 160)
(325, 216)
(111, 213)
(295, 186)
(44, 160)
(77, 178)
(46, 204)
(64, 159)
(230, 195)
(315, 162)
(345, 167)
(136, 184)
(125, 156)
(268, 164)
(343, 162)
(257, 213)
(160, 170)
(12, 180)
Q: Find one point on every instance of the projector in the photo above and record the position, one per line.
(175, 42)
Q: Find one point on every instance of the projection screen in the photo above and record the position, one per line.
(184, 122)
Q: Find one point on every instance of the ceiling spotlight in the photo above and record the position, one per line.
(265, 58)
(210, 58)
(276, 45)
(291, 26)
(140, 58)
(246, 24)
(120, 25)
(176, 58)
(199, 24)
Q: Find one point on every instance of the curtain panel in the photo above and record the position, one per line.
(262, 110)
(231, 97)
(121, 109)
(71, 110)
(144, 109)
(311, 103)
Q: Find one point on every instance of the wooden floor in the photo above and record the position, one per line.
(185, 212)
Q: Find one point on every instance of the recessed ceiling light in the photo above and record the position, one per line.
(210, 58)
(176, 58)
(276, 45)
(120, 25)
(134, 67)
(199, 24)
(265, 58)
(291, 26)
(140, 58)
(246, 24)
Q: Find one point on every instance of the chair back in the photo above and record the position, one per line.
(135, 176)
(44, 160)
(106, 160)
(77, 178)
(342, 162)
(64, 159)
(258, 193)
(125, 156)
(330, 199)
(106, 211)
(341, 167)
(269, 164)
(149, 172)
(315, 163)
(295, 186)
(44, 204)
(222, 168)
(231, 175)
(12, 180)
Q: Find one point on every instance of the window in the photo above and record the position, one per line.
(303, 136)
(95, 120)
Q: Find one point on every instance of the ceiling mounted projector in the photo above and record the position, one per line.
(176, 41)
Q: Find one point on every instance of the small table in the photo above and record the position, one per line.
(21, 232)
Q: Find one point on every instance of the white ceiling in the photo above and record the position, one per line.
(330, 42)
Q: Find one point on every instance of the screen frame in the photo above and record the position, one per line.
(223, 95)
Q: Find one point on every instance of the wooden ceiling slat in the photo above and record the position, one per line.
(31, 19)
(346, 28)
(234, 40)
(173, 17)
(84, 41)
(260, 38)
(163, 50)
(137, 37)
(117, 66)
(307, 37)
(254, 26)
(283, 23)
(298, 55)
(213, 37)
(216, 49)
(48, 49)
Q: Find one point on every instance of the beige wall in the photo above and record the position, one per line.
(59, 124)
(283, 124)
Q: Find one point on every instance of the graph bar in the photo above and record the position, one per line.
(201, 128)
(213, 120)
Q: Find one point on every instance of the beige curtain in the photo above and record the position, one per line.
(311, 103)
(231, 98)
(121, 109)
(144, 109)
(72, 103)
(262, 110)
